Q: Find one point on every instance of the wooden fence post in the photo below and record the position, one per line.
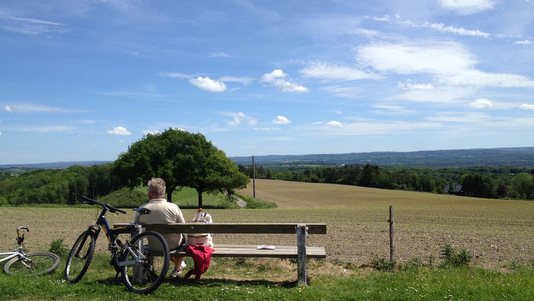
(391, 235)
(301, 254)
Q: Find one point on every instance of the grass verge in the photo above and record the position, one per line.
(236, 279)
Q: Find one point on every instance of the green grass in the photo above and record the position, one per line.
(421, 283)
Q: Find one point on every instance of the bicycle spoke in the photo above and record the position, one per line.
(80, 257)
(145, 262)
(32, 264)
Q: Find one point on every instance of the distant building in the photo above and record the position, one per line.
(455, 188)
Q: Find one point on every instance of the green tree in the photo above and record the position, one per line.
(427, 184)
(523, 186)
(181, 159)
(478, 186)
(370, 175)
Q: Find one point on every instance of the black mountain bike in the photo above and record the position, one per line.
(142, 260)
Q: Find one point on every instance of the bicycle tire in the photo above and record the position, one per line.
(145, 275)
(80, 256)
(32, 264)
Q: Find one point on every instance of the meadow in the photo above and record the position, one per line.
(497, 232)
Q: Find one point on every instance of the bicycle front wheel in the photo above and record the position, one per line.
(145, 261)
(32, 264)
(80, 256)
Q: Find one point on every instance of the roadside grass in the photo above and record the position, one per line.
(238, 279)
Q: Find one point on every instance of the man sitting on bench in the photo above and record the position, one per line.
(163, 212)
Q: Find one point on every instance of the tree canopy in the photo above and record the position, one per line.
(181, 159)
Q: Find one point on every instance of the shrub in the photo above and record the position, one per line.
(253, 203)
(59, 248)
(453, 258)
(381, 264)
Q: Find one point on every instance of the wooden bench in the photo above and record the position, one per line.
(299, 251)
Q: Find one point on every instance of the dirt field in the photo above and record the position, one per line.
(498, 232)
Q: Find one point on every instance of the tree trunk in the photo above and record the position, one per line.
(199, 198)
(169, 195)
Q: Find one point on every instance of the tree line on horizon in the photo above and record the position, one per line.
(188, 160)
(486, 182)
(66, 186)
(181, 158)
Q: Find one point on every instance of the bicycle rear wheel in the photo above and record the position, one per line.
(80, 256)
(33, 264)
(145, 262)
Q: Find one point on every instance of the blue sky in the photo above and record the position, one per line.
(82, 80)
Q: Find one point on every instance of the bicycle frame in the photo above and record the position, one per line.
(114, 244)
(133, 259)
(18, 250)
(10, 255)
(111, 233)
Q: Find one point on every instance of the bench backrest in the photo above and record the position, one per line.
(272, 228)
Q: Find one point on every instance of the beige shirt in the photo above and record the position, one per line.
(163, 212)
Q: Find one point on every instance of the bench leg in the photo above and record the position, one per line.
(301, 254)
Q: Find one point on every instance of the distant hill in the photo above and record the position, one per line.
(498, 157)
(54, 165)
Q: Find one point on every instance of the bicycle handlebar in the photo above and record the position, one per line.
(23, 228)
(107, 206)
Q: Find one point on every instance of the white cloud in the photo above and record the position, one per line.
(443, 95)
(456, 30)
(27, 108)
(435, 26)
(344, 91)
(369, 127)
(335, 124)
(448, 62)
(240, 118)
(472, 77)
(411, 58)
(48, 129)
(392, 110)
(481, 103)
(267, 129)
(220, 54)
(466, 7)
(32, 27)
(527, 106)
(408, 85)
(281, 120)
(121, 131)
(176, 75)
(277, 79)
(326, 71)
(524, 42)
(243, 80)
(208, 84)
(151, 132)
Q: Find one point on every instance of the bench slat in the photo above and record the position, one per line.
(257, 228)
(251, 251)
